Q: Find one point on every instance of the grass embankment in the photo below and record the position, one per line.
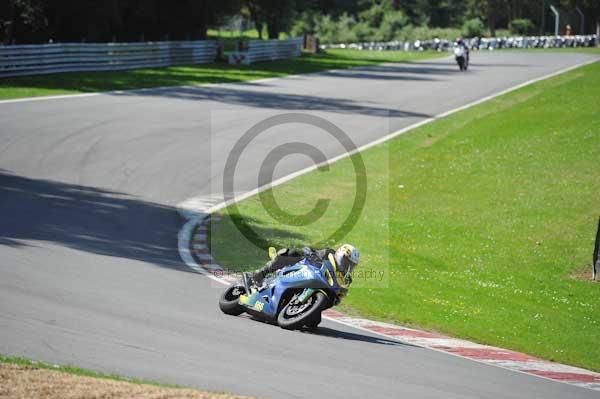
(22, 378)
(82, 82)
(480, 221)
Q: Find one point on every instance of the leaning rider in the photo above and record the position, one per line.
(346, 259)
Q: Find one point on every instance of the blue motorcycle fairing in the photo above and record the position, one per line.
(302, 275)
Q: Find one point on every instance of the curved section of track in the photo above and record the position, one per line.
(89, 269)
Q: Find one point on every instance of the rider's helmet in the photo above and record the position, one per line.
(346, 259)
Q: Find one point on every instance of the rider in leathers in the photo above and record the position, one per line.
(346, 258)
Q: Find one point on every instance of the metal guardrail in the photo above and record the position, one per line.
(76, 57)
(477, 43)
(267, 50)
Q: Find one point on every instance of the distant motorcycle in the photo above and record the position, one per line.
(293, 298)
(462, 57)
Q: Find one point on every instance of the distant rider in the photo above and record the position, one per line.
(346, 259)
(461, 43)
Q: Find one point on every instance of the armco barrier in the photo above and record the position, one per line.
(75, 57)
(266, 50)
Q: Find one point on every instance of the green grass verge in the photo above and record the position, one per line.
(78, 371)
(480, 221)
(71, 83)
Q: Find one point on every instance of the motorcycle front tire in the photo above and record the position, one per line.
(307, 317)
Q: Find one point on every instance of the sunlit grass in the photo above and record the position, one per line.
(481, 221)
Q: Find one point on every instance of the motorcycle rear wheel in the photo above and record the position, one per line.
(229, 300)
(294, 315)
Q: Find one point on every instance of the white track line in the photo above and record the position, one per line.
(200, 85)
(199, 199)
(116, 92)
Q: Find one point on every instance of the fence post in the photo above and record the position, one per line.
(582, 21)
(556, 19)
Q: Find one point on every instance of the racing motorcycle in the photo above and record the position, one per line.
(461, 57)
(293, 298)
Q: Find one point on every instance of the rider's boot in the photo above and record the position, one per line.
(247, 281)
(255, 279)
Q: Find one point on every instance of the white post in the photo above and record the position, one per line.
(556, 19)
(582, 19)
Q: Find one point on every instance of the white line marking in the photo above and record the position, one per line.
(183, 246)
(203, 199)
(200, 85)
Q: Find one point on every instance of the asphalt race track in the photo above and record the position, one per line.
(89, 269)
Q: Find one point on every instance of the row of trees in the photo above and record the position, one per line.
(426, 19)
(99, 21)
(32, 21)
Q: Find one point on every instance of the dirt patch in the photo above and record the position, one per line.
(583, 273)
(18, 381)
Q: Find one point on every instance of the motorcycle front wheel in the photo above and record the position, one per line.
(295, 314)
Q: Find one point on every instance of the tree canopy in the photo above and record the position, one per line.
(37, 21)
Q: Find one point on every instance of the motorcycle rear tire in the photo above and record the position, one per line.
(308, 316)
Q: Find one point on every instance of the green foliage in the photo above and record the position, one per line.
(373, 16)
(379, 22)
(392, 24)
(362, 32)
(521, 26)
(34, 21)
(305, 22)
(348, 30)
(327, 29)
(411, 33)
(473, 27)
(275, 14)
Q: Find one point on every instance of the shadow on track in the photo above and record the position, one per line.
(337, 334)
(86, 218)
(90, 219)
(418, 71)
(278, 101)
(332, 333)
